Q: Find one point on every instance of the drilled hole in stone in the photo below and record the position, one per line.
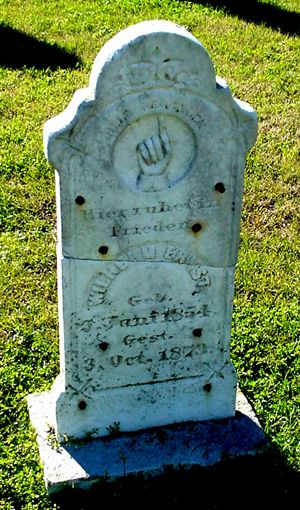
(196, 227)
(220, 187)
(197, 332)
(82, 405)
(207, 387)
(103, 346)
(79, 200)
(103, 250)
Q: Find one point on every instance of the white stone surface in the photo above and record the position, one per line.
(150, 162)
(141, 342)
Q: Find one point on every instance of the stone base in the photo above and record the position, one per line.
(144, 453)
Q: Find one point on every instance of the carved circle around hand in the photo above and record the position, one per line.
(154, 153)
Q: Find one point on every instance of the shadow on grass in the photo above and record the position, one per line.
(21, 50)
(260, 482)
(258, 12)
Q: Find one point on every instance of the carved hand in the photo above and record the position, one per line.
(154, 153)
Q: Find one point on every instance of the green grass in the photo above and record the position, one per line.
(261, 66)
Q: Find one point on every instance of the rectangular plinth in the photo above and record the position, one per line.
(142, 453)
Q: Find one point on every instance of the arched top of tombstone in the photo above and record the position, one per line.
(149, 56)
(164, 55)
(155, 144)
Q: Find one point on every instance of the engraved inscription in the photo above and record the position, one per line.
(160, 252)
(173, 314)
(157, 298)
(193, 204)
(172, 354)
(143, 332)
(147, 229)
(102, 281)
(169, 315)
(198, 273)
(157, 346)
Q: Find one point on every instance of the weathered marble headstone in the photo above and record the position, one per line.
(150, 160)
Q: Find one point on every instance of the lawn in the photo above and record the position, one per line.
(47, 50)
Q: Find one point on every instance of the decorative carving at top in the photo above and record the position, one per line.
(160, 73)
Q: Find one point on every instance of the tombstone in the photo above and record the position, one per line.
(150, 160)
